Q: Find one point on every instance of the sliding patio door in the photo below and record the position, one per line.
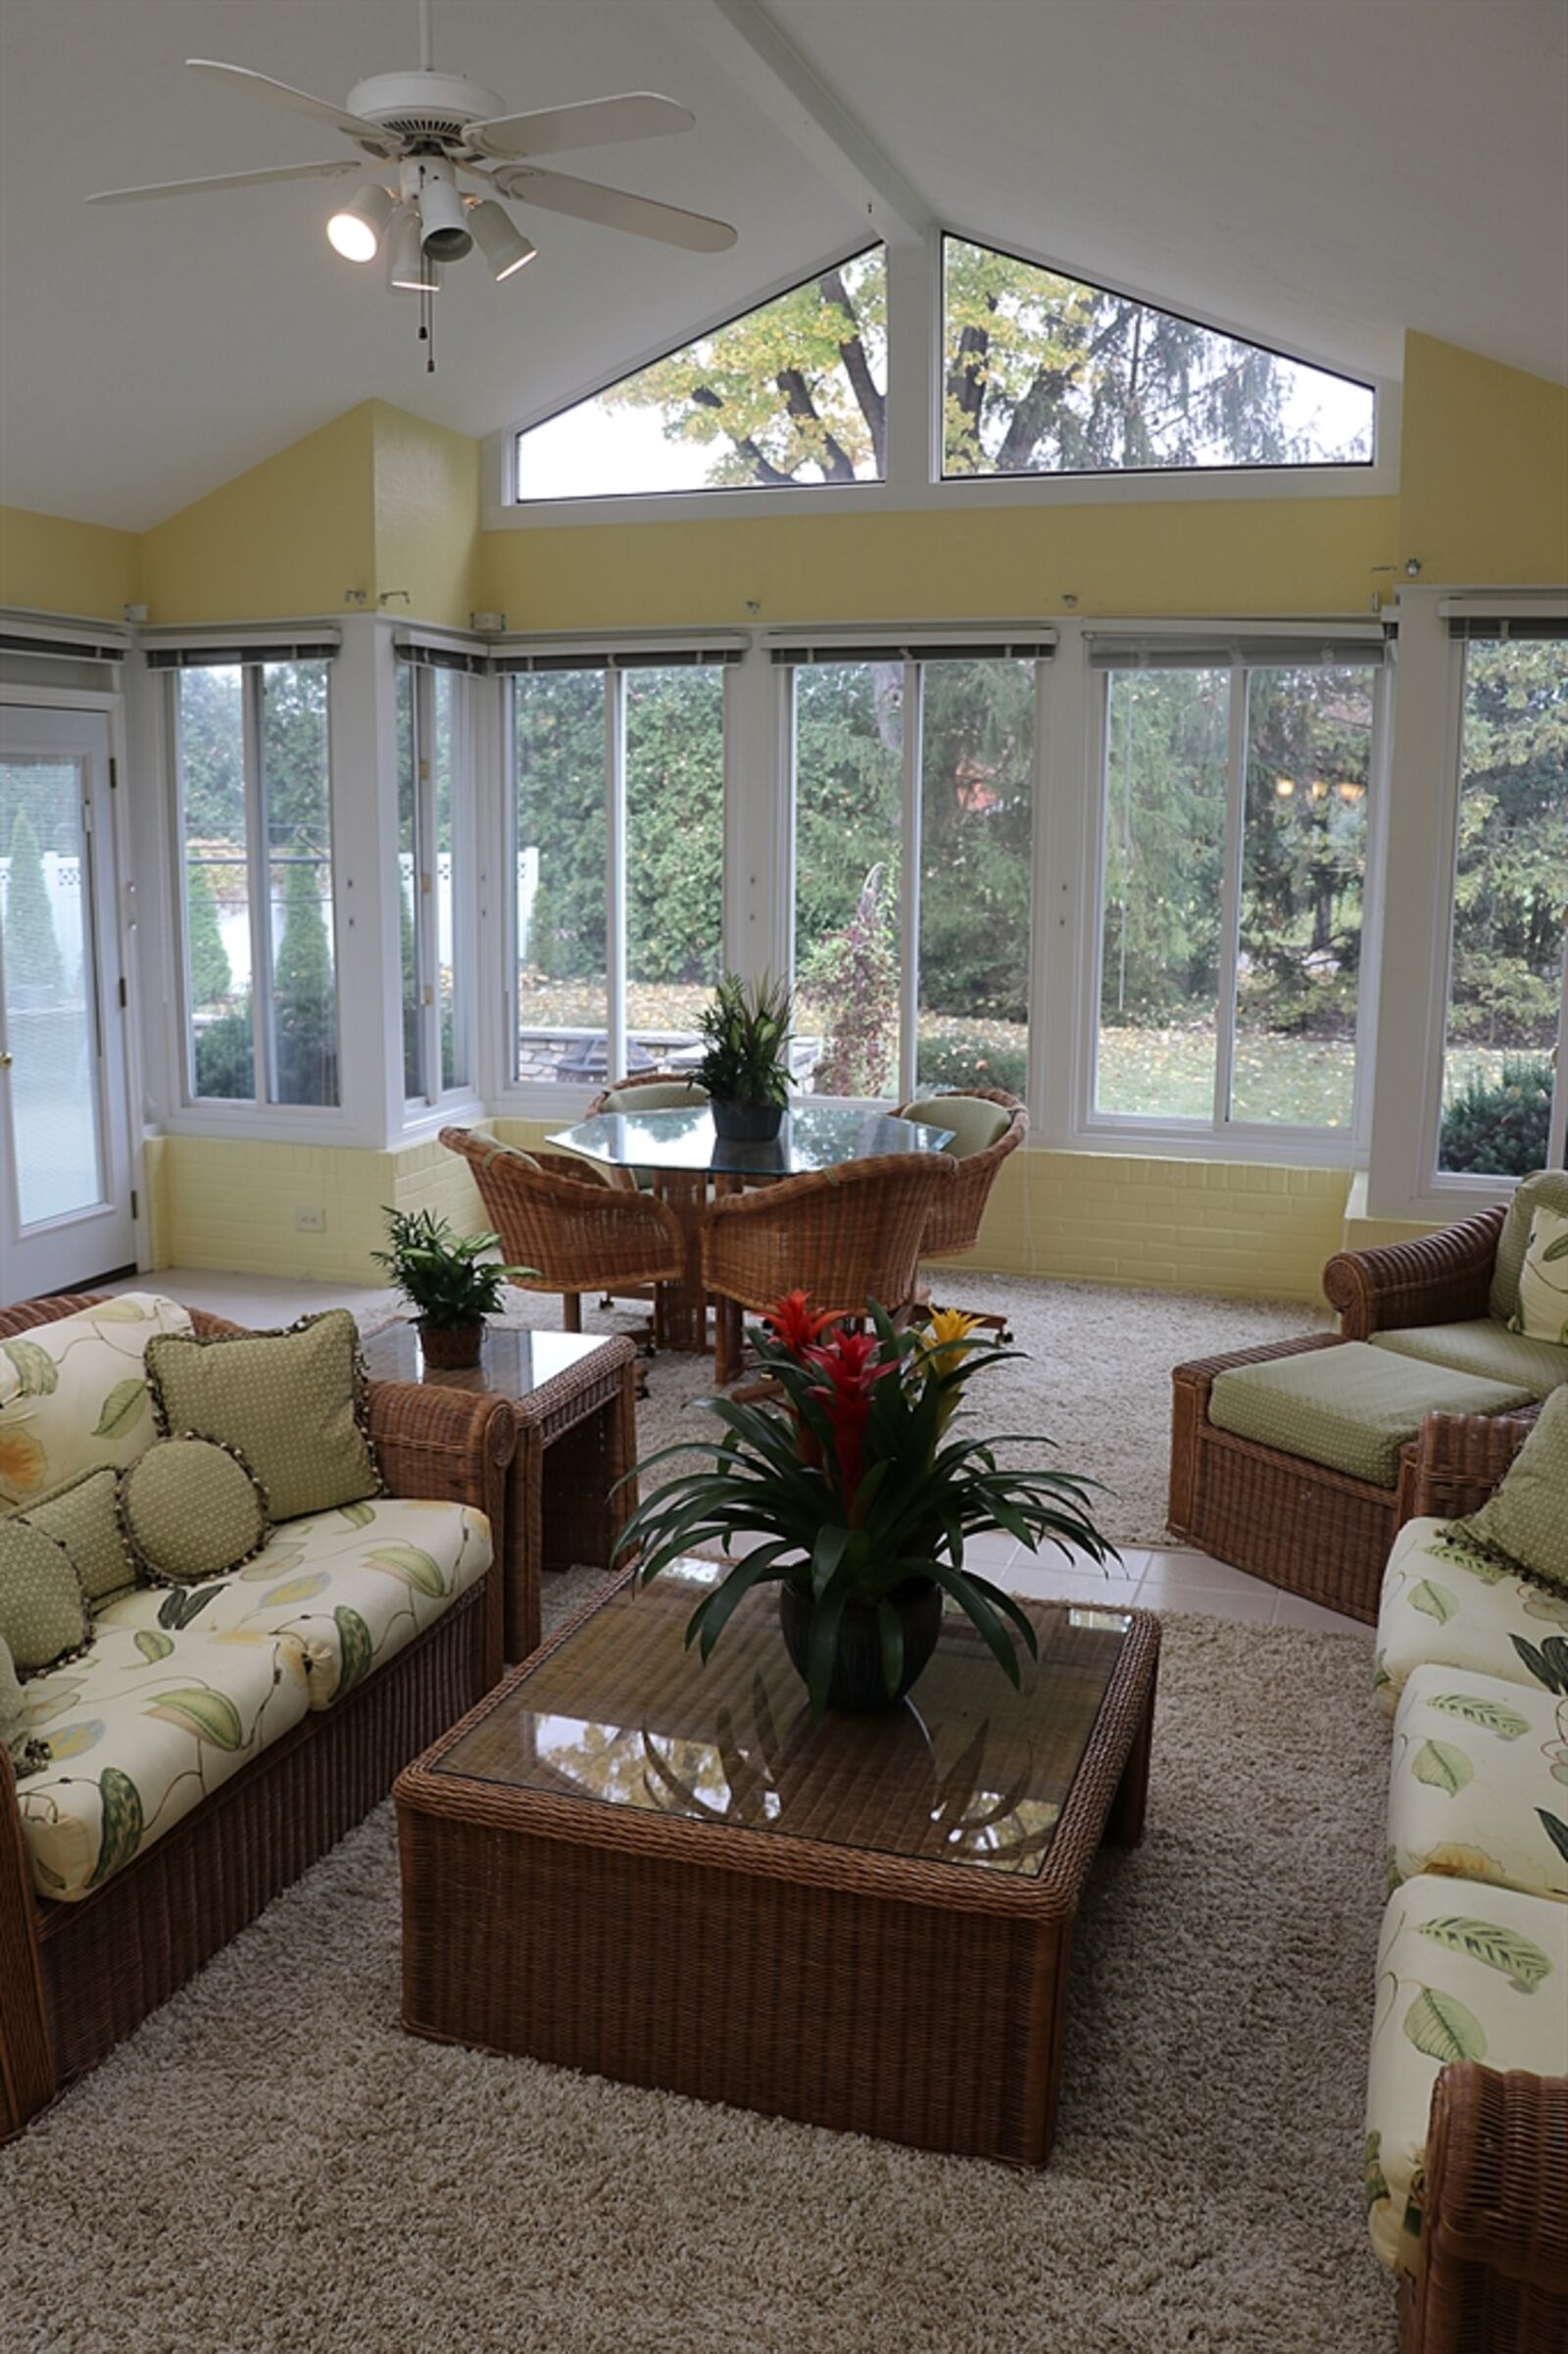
(66, 1209)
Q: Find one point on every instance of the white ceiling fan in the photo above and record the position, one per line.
(428, 135)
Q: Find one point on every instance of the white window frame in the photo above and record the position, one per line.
(909, 643)
(245, 1115)
(1220, 1136)
(554, 1099)
(437, 1095)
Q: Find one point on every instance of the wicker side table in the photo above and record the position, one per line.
(573, 1402)
(625, 1862)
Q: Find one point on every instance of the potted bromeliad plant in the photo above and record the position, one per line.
(745, 1066)
(448, 1280)
(862, 1492)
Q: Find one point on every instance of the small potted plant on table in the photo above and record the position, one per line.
(446, 1279)
(746, 1067)
(863, 1495)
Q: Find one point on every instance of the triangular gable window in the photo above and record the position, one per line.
(789, 395)
(1045, 374)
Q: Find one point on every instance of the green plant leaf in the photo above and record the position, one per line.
(181, 1604)
(37, 1374)
(121, 1835)
(75, 1740)
(1556, 1830)
(125, 1405)
(358, 1653)
(1439, 2025)
(211, 1715)
(1521, 1961)
(414, 1567)
(1492, 1716)
(891, 1629)
(1549, 1665)
(1434, 1600)
(823, 1647)
(1441, 1765)
(1556, 1251)
(153, 1645)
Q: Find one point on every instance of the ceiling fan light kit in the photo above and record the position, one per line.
(433, 132)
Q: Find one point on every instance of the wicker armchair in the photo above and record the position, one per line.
(76, 1979)
(671, 1093)
(1443, 1277)
(848, 1236)
(555, 1214)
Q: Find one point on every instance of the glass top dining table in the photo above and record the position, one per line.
(812, 1137)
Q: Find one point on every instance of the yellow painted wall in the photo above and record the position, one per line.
(1270, 555)
(288, 537)
(1483, 469)
(426, 516)
(55, 567)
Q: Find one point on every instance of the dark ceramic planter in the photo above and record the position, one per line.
(747, 1123)
(454, 1350)
(857, 1685)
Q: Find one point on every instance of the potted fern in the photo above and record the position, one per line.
(448, 1280)
(746, 1067)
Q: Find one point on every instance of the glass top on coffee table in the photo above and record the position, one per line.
(515, 1362)
(965, 1770)
(813, 1137)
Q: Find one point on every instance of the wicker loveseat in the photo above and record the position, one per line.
(78, 1977)
(1473, 2219)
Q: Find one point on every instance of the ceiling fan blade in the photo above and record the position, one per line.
(595, 123)
(358, 128)
(613, 209)
(229, 179)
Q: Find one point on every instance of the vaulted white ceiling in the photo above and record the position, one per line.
(1320, 172)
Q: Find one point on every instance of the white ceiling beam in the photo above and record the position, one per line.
(744, 40)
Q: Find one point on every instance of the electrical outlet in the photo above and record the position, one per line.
(310, 1221)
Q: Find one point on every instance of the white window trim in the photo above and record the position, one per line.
(433, 1108)
(913, 462)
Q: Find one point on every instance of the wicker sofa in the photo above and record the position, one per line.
(1485, 2269)
(76, 1978)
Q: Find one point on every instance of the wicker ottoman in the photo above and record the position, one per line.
(1315, 1528)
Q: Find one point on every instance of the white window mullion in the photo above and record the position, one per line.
(1230, 899)
(1557, 1125)
(910, 894)
(425, 934)
(616, 870)
(258, 882)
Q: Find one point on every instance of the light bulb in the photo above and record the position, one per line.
(503, 245)
(355, 230)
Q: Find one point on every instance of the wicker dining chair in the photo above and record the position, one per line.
(557, 1215)
(649, 1091)
(989, 1124)
(847, 1235)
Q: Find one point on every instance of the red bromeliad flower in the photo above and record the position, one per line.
(853, 1366)
(792, 1324)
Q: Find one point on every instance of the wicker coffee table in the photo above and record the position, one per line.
(573, 1399)
(627, 1862)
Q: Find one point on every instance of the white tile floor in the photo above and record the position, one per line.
(1170, 1579)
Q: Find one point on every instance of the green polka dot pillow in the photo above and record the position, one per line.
(1526, 1519)
(191, 1510)
(43, 1611)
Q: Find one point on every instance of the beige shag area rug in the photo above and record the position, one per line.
(1096, 1379)
(271, 2167)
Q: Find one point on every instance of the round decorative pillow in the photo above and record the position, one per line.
(192, 1509)
(43, 1613)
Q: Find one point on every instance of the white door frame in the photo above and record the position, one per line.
(116, 943)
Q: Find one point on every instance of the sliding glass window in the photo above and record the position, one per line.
(913, 813)
(1504, 1102)
(618, 843)
(434, 864)
(1237, 785)
(255, 801)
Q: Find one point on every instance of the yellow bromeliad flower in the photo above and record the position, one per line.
(950, 1333)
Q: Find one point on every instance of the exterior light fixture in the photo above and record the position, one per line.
(503, 245)
(355, 230)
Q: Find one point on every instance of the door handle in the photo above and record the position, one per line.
(6, 1061)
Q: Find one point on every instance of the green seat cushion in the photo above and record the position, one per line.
(84, 1518)
(43, 1611)
(191, 1510)
(1351, 1409)
(1526, 1519)
(1547, 1189)
(291, 1403)
(659, 1095)
(1482, 1348)
(974, 1122)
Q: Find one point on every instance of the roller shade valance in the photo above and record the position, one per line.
(209, 654)
(1526, 627)
(1325, 650)
(427, 655)
(509, 660)
(62, 649)
(805, 652)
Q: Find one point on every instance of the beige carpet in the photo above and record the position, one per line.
(270, 2167)
(1097, 1381)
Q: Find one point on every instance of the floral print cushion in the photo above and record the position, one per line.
(138, 1733)
(1464, 1972)
(1477, 1789)
(74, 1394)
(1447, 1604)
(343, 1591)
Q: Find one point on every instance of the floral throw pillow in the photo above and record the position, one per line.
(1542, 1310)
(74, 1394)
